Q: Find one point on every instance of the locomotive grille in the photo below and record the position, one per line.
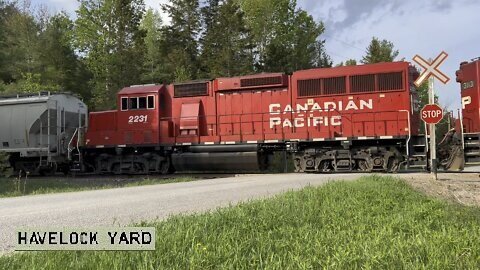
(318, 87)
(260, 81)
(191, 90)
(335, 85)
(390, 81)
(362, 83)
(312, 87)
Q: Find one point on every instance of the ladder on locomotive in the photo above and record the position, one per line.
(418, 150)
(472, 148)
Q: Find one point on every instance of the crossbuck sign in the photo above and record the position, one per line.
(431, 69)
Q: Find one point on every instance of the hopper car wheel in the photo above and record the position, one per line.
(48, 171)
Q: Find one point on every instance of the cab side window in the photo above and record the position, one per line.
(142, 103)
(151, 102)
(133, 103)
(124, 104)
(137, 103)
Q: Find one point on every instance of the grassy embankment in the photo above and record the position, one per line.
(11, 187)
(375, 222)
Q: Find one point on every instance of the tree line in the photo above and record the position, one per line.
(111, 44)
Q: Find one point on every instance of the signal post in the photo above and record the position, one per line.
(432, 113)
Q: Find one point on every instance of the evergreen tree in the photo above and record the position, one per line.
(153, 68)
(108, 35)
(379, 51)
(226, 42)
(351, 62)
(286, 38)
(181, 44)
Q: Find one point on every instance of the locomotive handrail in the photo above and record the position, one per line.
(409, 131)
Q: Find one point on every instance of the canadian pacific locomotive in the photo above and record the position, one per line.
(361, 118)
(352, 118)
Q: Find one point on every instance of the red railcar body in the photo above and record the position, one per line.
(366, 115)
(469, 77)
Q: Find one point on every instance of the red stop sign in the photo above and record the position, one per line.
(431, 113)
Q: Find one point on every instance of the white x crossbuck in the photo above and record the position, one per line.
(431, 68)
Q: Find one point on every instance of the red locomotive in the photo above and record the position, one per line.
(468, 76)
(354, 118)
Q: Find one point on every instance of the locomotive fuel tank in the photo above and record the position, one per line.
(221, 158)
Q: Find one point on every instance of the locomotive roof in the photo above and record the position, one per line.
(141, 89)
(367, 67)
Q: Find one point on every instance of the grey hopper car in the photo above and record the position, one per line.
(41, 132)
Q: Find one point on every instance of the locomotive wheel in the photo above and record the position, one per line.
(364, 166)
(166, 166)
(393, 165)
(324, 166)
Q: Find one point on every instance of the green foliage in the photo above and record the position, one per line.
(60, 68)
(286, 37)
(153, 67)
(5, 169)
(182, 74)
(373, 223)
(379, 51)
(108, 34)
(37, 54)
(349, 62)
(226, 43)
(115, 43)
(181, 46)
(21, 50)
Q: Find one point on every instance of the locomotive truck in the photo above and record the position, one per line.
(353, 118)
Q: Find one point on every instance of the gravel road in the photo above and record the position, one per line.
(124, 206)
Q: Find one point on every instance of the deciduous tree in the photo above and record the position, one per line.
(108, 35)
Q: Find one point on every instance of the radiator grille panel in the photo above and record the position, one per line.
(390, 81)
(261, 81)
(312, 87)
(191, 90)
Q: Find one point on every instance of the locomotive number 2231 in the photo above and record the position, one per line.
(138, 119)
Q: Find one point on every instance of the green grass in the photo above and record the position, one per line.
(373, 223)
(12, 187)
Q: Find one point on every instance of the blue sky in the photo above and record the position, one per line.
(415, 27)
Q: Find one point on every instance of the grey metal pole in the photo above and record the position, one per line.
(433, 149)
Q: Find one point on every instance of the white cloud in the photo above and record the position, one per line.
(424, 28)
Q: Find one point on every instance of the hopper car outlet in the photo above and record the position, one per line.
(354, 118)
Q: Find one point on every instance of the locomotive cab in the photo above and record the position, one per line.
(127, 140)
(468, 76)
